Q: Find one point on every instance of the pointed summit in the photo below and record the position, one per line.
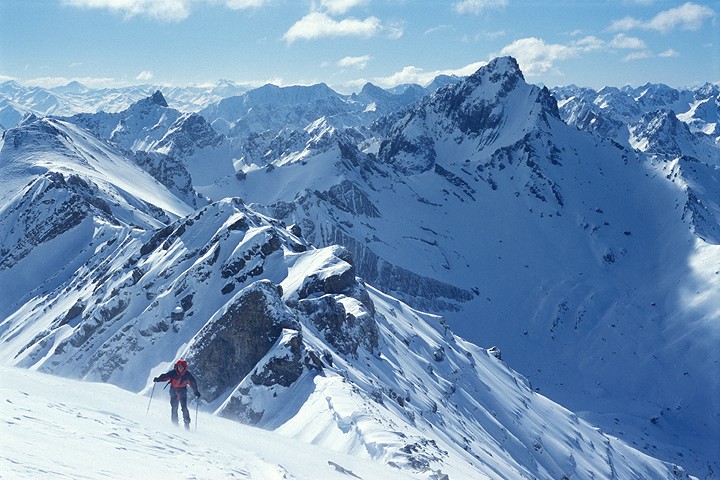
(501, 70)
(158, 99)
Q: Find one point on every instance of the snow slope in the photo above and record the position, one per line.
(60, 428)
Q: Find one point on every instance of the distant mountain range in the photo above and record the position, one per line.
(285, 240)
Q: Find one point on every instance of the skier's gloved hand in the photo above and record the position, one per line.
(197, 394)
(156, 379)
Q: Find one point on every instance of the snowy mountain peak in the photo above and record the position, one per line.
(491, 109)
(372, 90)
(158, 99)
(73, 88)
(498, 69)
(28, 119)
(295, 94)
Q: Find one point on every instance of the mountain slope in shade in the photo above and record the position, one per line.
(573, 253)
(287, 337)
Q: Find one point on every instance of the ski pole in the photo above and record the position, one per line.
(197, 404)
(151, 395)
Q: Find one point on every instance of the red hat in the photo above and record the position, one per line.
(181, 365)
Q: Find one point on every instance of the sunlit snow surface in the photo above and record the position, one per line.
(58, 428)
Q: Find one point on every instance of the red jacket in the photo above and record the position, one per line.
(179, 381)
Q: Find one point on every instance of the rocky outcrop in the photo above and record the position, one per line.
(280, 369)
(233, 342)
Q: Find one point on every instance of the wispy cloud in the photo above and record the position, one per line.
(340, 7)
(243, 4)
(318, 25)
(537, 57)
(644, 54)
(626, 42)
(436, 29)
(144, 76)
(359, 62)
(477, 7)
(166, 10)
(163, 10)
(689, 16)
(639, 55)
(412, 74)
(669, 53)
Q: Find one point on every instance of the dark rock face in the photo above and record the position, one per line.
(158, 99)
(341, 329)
(188, 133)
(340, 282)
(348, 197)
(282, 367)
(228, 347)
(282, 370)
(169, 171)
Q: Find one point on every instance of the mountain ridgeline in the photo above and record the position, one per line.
(287, 241)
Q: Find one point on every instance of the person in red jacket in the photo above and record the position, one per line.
(180, 378)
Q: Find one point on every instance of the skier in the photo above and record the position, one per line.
(179, 378)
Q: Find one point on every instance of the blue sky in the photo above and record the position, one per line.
(345, 43)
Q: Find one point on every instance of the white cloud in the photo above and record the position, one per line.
(537, 57)
(359, 62)
(394, 30)
(625, 24)
(166, 10)
(242, 4)
(689, 16)
(587, 44)
(144, 76)
(623, 41)
(340, 7)
(439, 28)
(412, 74)
(318, 25)
(477, 7)
(639, 55)
(669, 53)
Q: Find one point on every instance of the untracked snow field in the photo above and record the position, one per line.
(51, 428)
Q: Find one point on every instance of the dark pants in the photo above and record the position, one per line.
(179, 396)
